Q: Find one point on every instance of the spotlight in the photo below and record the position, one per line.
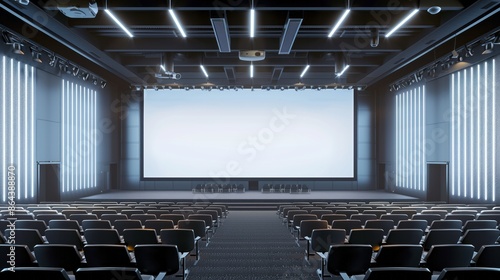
(85, 76)
(454, 54)
(282, 88)
(137, 88)
(434, 10)
(103, 84)
(75, 71)
(488, 48)
(94, 81)
(468, 52)
(375, 38)
(155, 88)
(53, 60)
(17, 48)
(36, 55)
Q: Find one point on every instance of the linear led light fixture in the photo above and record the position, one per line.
(252, 23)
(304, 71)
(117, 21)
(407, 18)
(289, 34)
(251, 70)
(177, 23)
(221, 31)
(343, 70)
(204, 71)
(337, 25)
(163, 68)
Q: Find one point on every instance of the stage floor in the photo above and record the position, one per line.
(249, 196)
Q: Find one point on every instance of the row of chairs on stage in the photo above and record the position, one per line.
(218, 188)
(285, 188)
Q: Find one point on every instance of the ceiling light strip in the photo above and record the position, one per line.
(252, 23)
(343, 70)
(337, 25)
(251, 70)
(304, 71)
(407, 18)
(177, 23)
(204, 71)
(117, 21)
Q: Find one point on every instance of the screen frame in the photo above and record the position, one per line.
(237, 179)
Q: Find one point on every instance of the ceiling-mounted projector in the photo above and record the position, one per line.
(252, 55)
(78, 8)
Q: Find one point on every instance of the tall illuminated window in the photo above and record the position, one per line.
(410, 139)
(17, 132)
(473, 122)
(78, 169)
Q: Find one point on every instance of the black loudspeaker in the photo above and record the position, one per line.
(253, 185)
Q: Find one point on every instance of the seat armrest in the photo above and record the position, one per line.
(323, 255)
(307, 238)
(197, 238)
(183, 255)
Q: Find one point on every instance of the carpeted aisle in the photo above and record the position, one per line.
(252, 245)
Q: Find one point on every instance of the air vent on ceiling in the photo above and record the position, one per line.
(78, 8)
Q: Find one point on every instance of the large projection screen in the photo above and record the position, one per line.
(246, 134)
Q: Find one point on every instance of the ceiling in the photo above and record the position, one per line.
(100, 45)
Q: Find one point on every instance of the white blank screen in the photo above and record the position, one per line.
(248, 134)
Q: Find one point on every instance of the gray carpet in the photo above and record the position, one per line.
(253, 245)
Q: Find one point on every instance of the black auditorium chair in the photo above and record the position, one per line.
(121, 225)
(395, 273)
(450, 255)
(184, 239)
(29, 237)
(110, 273)
(404, 236)
(65, 236)
(468, 273)
(158, 225)
(102, 236)
(107, 255)
(38, 273)
(321, 240)
(346, 260)
(488, 256)
(23, 255)
(403, 255)
(41, 226)
(136, 236)
(480, 237)
(159, 260)
(58, 255)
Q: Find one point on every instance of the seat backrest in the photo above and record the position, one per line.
(363, 217)
(107, 255)
(307, 226)
(322, 239)
(399, 256)
(370, 236)
(385, 225)
(95, 273)
(184, 239)
(446, 224)
(440, 237)
(319, 213)
(47, 217)
(158, 213)
(420, 224)
(205, 217)
(81, 217)
(450, 255)
(302, 217)
(466, 273)
(38, 273)
(197, 225)
(428, 217)
(121, 225)
(349, 258)
(58, 255)
(32, 224)
(480, 237)
(29, 237)
(484, 216)
(404, 236)
(102, 236)
(406, 273)
(23, 256)
(142, 217)
(113, 217)
(329, 218)
(64, 236)
(158, 225)
(64, 224)
(173, 217)
(479, 224)
(347, 212)
(153, 259)
(88, 224)
(461, 217)
(135, 236)
(348, 225)
(487, 256)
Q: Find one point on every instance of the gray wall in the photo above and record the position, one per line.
(130, 108)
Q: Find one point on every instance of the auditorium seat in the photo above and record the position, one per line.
(105, 273)
(135, 236)
(487, 256)
(368, 236)
(121, 225)
(159, 260)
(467, 273)
(38, 273)
(184, 239)
(480, 237)
(102, 255)
(348, 225)
(41, 226)
(449, 255)
(58, 255)
(88, 224)
(396, 273)
(402, 255)
(23, 255)
(385, 225)
(102, 236)
(441, 237)
(158, 225)
(404, 236)
(65, 236)
(346, 260)
(29, 237)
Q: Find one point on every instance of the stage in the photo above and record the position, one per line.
(248, 199)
